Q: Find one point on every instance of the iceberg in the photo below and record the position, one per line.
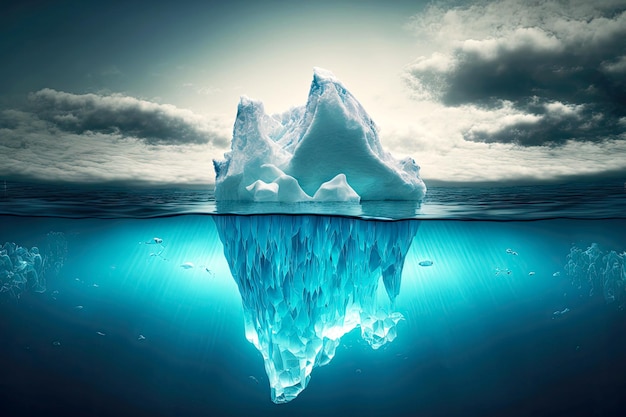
(603, 272)
(327, 150)
(306, 280)
(22, 269)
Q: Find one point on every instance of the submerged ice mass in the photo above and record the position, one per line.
(305, 281)
(327, 150)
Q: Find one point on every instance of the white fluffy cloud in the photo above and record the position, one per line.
(150, 122)
(558, 62)
(93, 138)
(439, 138)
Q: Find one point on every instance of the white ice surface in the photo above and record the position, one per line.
(327, 150)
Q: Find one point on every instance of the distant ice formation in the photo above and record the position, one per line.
(305, 281)
(603, 272)
(23, 269)
(327, 150)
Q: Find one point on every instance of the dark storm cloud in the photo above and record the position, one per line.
(86, 138)
(548, 123)
(567, 72)
(123, 116)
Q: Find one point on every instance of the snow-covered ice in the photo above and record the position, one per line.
(327, 150)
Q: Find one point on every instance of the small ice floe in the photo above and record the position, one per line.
(253, 378)
(78, 308)
(559, 313)
(187, 265)
(531, 273)
(56, 343)
(511, 251)
(506, 271)
(95, 285)
(556, 274)
(427, 262)
(101, 334)
(141, 337)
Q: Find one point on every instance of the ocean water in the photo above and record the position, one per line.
(513, 299)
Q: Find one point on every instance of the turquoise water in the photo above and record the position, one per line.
(496, 325)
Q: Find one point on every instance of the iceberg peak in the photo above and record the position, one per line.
(321, 75)
(310, 146)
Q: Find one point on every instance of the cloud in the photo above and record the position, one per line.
(125, 116)
(561, 63)
(92, 138)
(437, 137)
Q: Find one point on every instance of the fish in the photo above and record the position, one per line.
(101, 334)
(426, 263)
(187, 265)
(531, 273)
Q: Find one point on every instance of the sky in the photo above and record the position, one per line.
(146, 92)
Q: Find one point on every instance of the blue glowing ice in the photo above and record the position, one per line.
(305, 281)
